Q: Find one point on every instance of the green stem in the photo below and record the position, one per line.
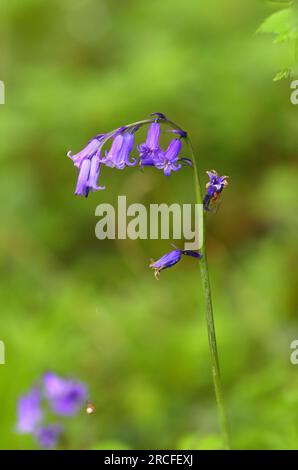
(209, 316)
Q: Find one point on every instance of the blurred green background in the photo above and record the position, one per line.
(78, 306)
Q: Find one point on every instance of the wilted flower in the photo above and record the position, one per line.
(150, 149)
(65, 396)
(214, 188)
(29, 412)
(48, 436)
(170, 259)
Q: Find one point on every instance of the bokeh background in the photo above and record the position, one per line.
(92, 309)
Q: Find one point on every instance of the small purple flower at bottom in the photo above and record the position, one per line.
(214, 188)
(170, 259)
(47, 436)
(65, 396)
(29, 412)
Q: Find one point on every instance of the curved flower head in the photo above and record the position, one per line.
(170, 259)
(214, 188)
(150, 149)
(65, 396)
(168, 160)
(87, 152)
(29, 412)
(47, 436)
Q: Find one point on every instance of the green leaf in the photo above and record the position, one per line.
(282, 23)
(286, 73)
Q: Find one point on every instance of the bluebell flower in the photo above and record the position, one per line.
(65, 396)
(29, 412)
(119, 154)
(214, 187)
(170, 259)
(90, 158)
(111, 156)
(87, 152)
(150, 149)
(168, 161)
(124, 154)
(48, 436)
(88, 176)
(94, 174)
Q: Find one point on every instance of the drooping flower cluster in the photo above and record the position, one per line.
(64, 397)
(91, 158)
(150, 153)
(170, 259)
(214, 188)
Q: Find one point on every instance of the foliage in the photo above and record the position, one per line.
(283, 24)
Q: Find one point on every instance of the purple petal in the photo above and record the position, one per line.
(152, 140)
(94, 174)
(29, 411)
(111, 157)
(123, 156)
(65, 396)
(173, 149)
(82, 183)
(87, 152)
(168, 260)
(47, 436)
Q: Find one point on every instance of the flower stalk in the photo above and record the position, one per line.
(209, 314)
(208, 302)
(206, 292)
